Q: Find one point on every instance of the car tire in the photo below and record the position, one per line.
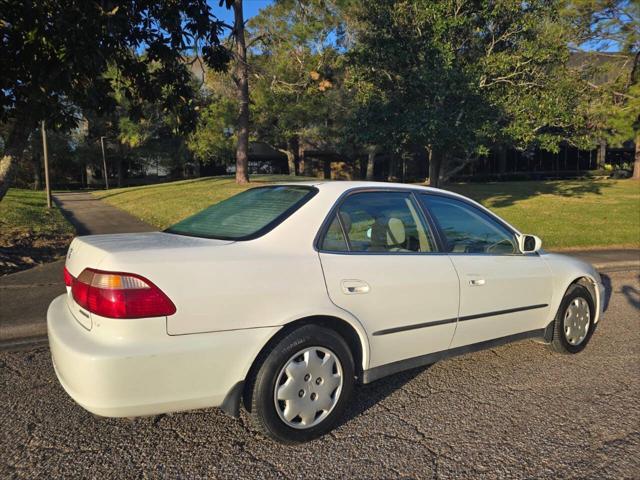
(294, 374)
(573, 325)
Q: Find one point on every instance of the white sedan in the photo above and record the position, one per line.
(284, 297)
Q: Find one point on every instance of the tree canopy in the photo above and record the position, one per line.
(443, 82)
(55, 54)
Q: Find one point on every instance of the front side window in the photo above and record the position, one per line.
(377, 222)
(468, 229)
(245, 215)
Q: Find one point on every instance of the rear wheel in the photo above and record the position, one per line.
(300, 390)
(574, 325)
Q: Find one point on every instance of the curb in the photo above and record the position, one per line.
(23, 343)
(616, 266)
(35, 328)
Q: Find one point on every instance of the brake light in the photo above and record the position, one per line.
(120, 295)
(68, 278)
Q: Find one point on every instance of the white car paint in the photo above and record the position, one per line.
(233, 297)
(508, 282)
(427, 292)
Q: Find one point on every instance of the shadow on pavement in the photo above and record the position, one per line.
(608, 290)
(79, 225)
(366, 396)
(632, 294)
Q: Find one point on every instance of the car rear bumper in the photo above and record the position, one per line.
(147, 372)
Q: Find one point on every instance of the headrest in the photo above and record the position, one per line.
(396, 234)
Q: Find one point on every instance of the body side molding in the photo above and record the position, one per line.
(376, 373)
(461, 319)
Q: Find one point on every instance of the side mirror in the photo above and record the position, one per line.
(530, 244)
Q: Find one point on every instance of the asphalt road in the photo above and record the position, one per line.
(517, 411)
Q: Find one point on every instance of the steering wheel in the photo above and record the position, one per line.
(494, 245)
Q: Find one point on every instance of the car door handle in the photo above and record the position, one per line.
(352, 287)
(477, 282)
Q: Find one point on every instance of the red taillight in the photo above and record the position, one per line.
(68, 278)
(120, 295)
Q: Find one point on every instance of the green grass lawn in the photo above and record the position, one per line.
(24, 211)
(30, 234)
(565, 214)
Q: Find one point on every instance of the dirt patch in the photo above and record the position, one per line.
(24, 250)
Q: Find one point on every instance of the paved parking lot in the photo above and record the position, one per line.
(513, 412)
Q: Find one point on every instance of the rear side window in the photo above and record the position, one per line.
(247, 215)
(378, 222)
(334, 240)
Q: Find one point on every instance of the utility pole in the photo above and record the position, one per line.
(104, 164)
(46, 164)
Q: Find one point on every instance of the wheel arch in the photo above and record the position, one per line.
(354, 336)
(590, 284)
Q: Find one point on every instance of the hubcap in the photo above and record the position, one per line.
(576, 321)
(308, 387)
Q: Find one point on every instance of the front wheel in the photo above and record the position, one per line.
(300, 390)
(573, 326)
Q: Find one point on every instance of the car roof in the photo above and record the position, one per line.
(337, 187)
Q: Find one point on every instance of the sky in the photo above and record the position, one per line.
(250, 9)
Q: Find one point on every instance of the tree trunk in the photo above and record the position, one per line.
(326, 168)
(602, 153)
(292, 155)
(502, 159)
(122, 149)
(435, 162)
(307, 162)
(90, 174)
(119, 171)
(37, 172)
(291, 161)
(636, 162)
(391, 176)
(14, 148)
(444, 174)
(371, 160)
(242, 81)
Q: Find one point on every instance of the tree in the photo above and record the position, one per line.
(241, 77)
(457, 77)
(54, 56)
(613, 27)
(296, 95)
(624, 119)
(414, 87)
(212, 140)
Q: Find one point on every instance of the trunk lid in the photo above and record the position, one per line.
(100, 252)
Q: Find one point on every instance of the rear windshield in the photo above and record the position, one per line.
(247, 215)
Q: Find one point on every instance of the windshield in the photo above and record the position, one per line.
(247, 215)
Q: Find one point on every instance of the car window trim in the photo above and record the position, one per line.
(483, 214)
(342, 198)
(430, 221)
(347, 240)
(312, 192)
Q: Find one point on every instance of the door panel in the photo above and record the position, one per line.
(502, 292)
(501, 295)
(403, 290)
(389, 276)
